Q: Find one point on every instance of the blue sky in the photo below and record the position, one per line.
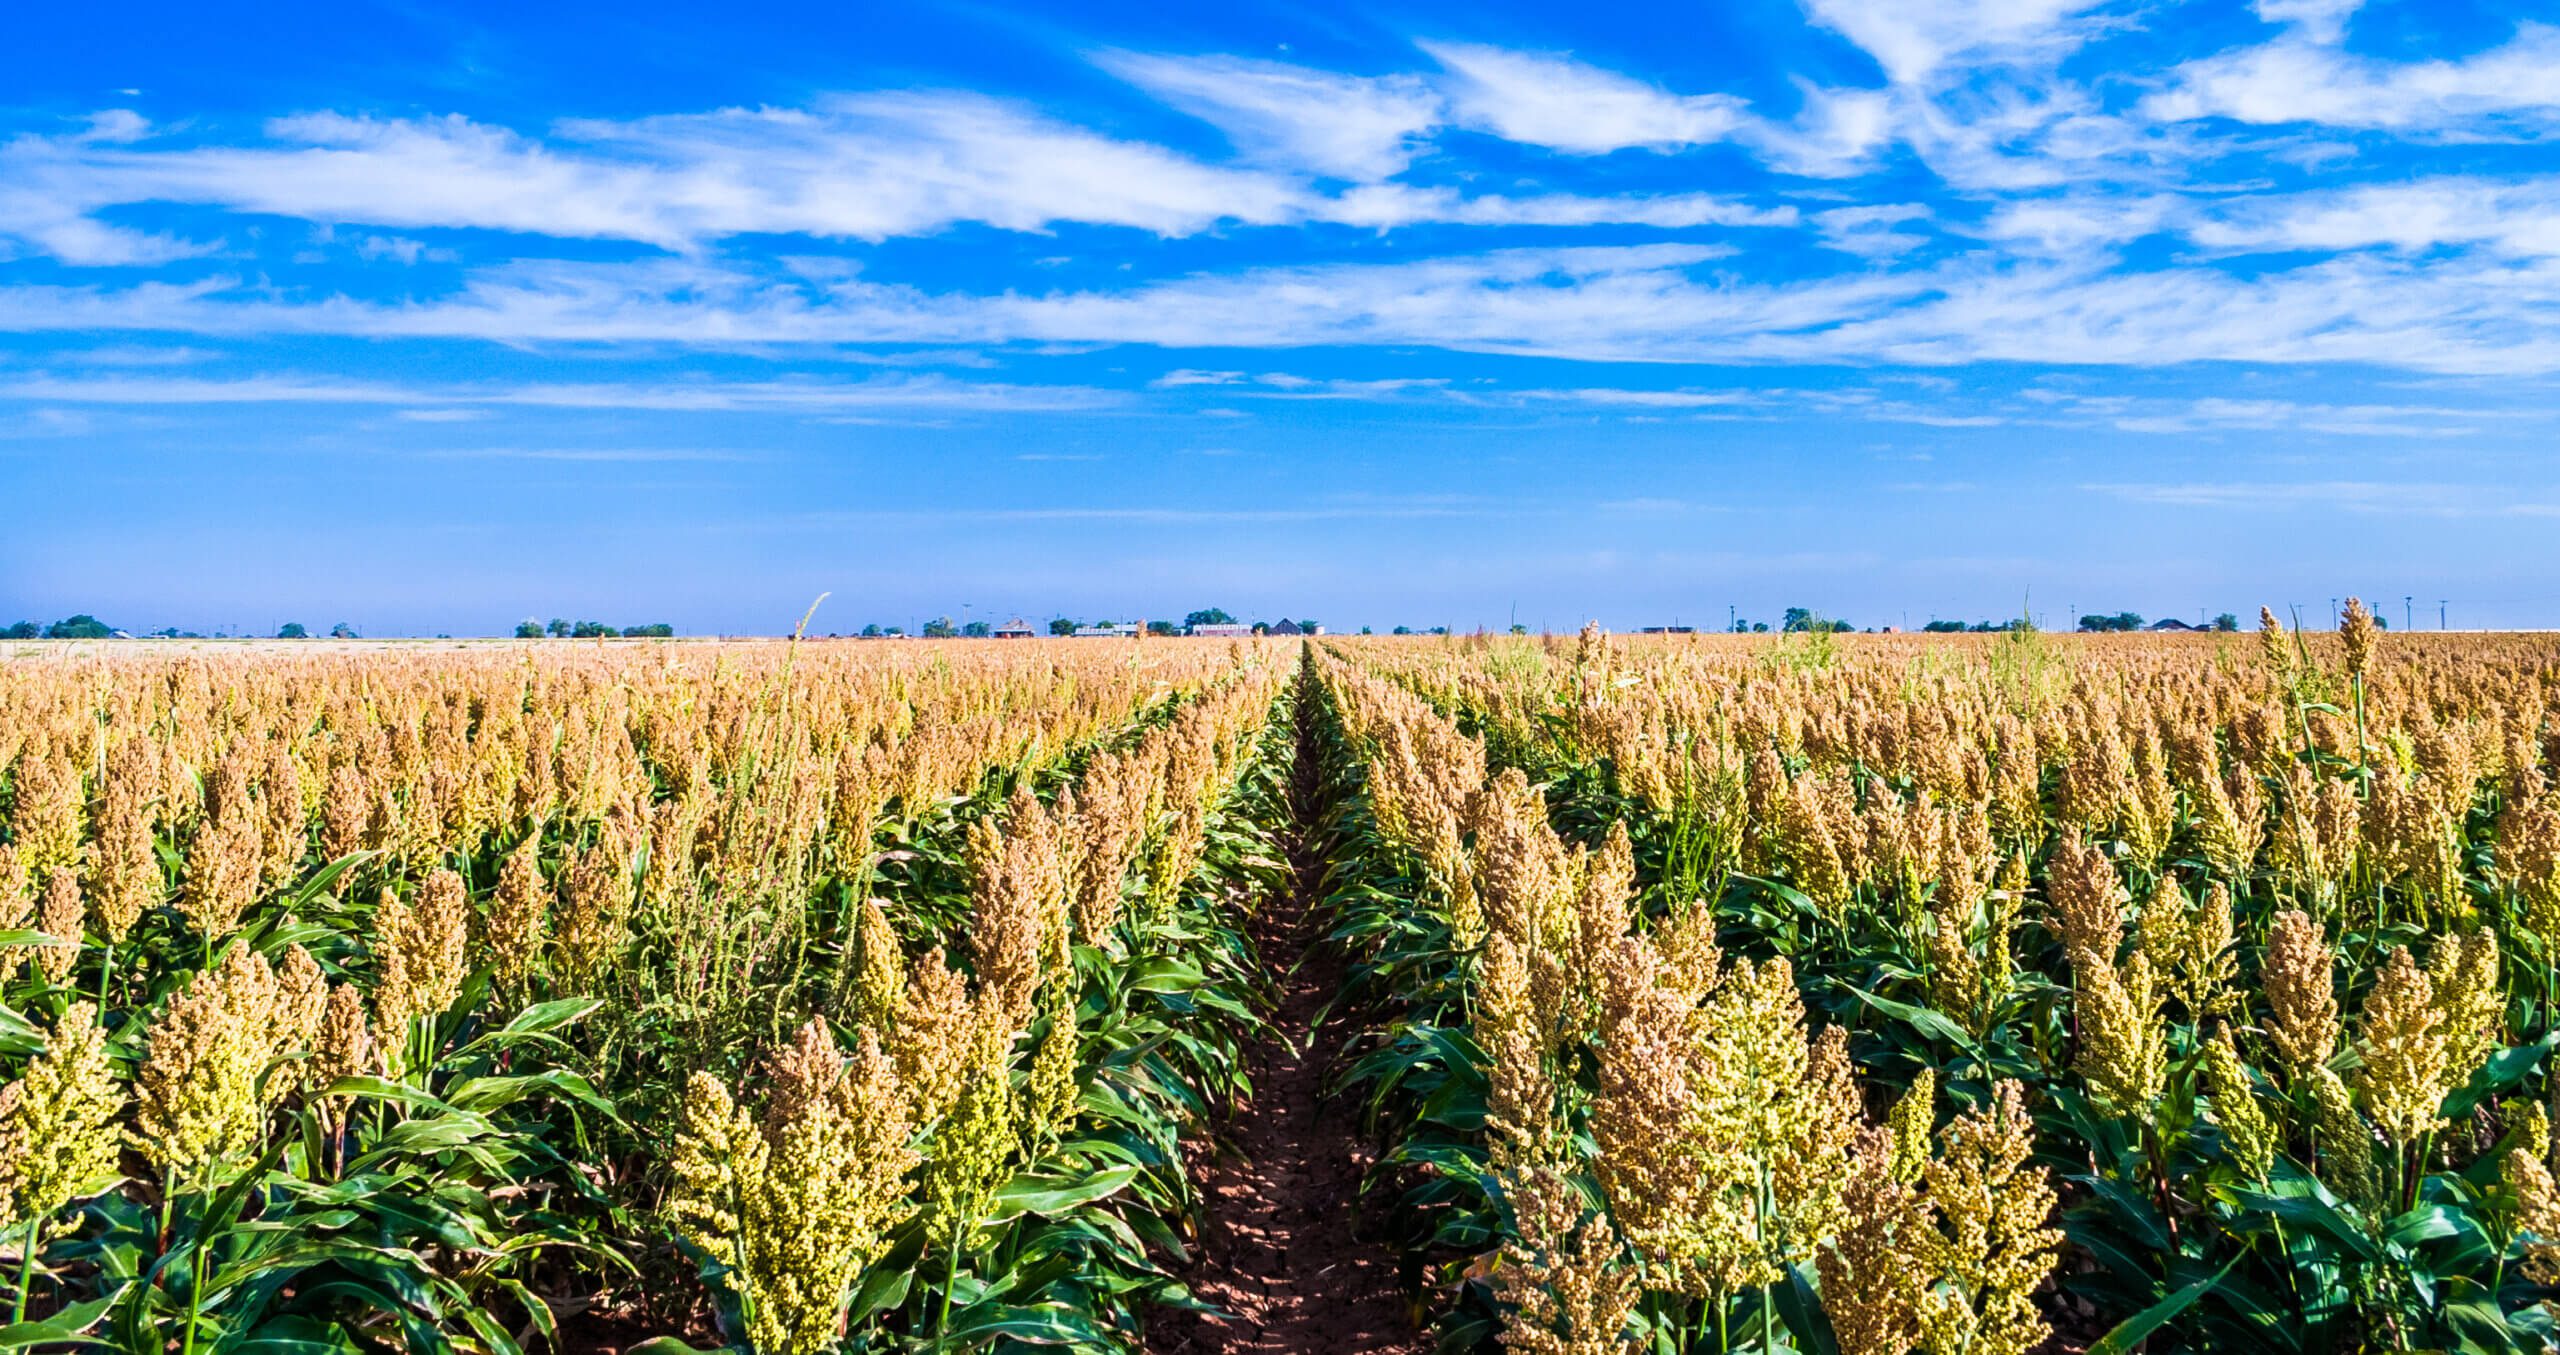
(432, 317)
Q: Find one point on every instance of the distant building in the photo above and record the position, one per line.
(1105, 631)
(1670, 630)
(1285, 627)
(1016, 629)
(2172, 623)
(1224, 628)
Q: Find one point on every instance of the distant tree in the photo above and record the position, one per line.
(1798, 618)
(557, 628)
(166, 633)
(528, 629)
(1519, 629)
(1401, 630)
(81, 627)
(292, 630)
(1439, 630)
(977, 630)
(940, 628)
(1366, 631)
(1062, 626)
(872, 631)
(2102, 623)
(25, 630)
(1208, 616)
(1943, 627)
(2382, 623)
(1308, 626)
(1163, 628)
(655, 630)
(2226, 622)
(343, 631)
(896, 631)
(1262, 628)
(590, 630)
(1759, 627)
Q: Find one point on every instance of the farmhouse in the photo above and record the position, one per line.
(1016, 629)
(1227, 628)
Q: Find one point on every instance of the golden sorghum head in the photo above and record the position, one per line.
(2356, 631)
(2087, 902)
(15, 906)
(1991, 1248)
(939, 1032)
(1914, 1122)
(2529, 860)
(879, 969)
(344, 1045)
(1521, 1100)
(2302, 1002)
(209, 1049)
(511, 932)
(797, 1203)
(58, 1134)
(418, 952)
(44, 817)
(2345, 1142)
(124, 860)
(1049, 1087)
(2123, 1041)
(60, 919)
(1873, 1274)
(968, 1154)
(225, 856)
(1562, 1278)
(2402, 1036)
(2246, 1129)
(2471, 999)
(2537, 1200)
(2272, 648)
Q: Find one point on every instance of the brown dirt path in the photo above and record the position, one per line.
(1277, 1250)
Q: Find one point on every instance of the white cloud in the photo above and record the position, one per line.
(2397, 498)
(2298, 79)
(925, 393)
(1565, 105)
(2319, 20)
(2514, 218)
(859, 167)
(1913, 39)
(1360, 128)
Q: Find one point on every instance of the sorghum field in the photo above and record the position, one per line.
(1971, 995)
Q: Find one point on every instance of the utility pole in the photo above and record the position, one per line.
(2439, 613)
(1732, 617)
(2406, 602)
(2333, 613)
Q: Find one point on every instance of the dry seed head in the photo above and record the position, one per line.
(1560, 1279)
(200, 1085)
(60, 919)
(2251, 1136)
(2302, 1002)
(879, 970)
(58, 1132)
(2345, 1141)
(2356, 632)
(1991, 1248)
(2087, 903)
(2472, 1001)
(1873, 1274)
(2123, 1041)
(2402, 1036)
(1913, 1122)
(511, 932)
